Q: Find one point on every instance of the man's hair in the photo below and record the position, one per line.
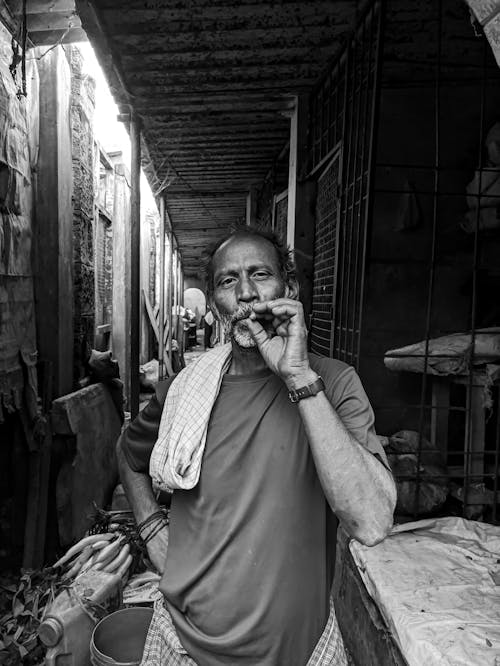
(284, 255)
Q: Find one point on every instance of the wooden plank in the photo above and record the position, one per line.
(53, 21)
(135, 262)
(475, 433)
(154, 325)
(292, 176)
(440, 413)
(251, 207)
(44, 6)
(51, 37)
(53, 230)
(120, 342)
(170, 286)
(91, 417)
(36, 512)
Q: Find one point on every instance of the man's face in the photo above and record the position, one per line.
(246, 271)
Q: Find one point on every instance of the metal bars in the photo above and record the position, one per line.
(343, 113)
(437, 111)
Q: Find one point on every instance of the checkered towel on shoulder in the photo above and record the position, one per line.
(163, 647)
(176, 457)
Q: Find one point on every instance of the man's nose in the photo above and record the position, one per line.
(246, 290)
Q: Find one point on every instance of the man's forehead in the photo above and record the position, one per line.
(247, 249)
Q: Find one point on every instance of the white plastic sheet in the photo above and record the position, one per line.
(434, 583)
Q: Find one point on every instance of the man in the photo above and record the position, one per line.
(247, 558)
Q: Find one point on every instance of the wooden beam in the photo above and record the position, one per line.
(155, 326)
(53, 228)
(154, 91)
(301, 200)
(44, 6)
(251, 208)
(53, 21)
(135, 257)
(51, 37)
(292, 177)
(273, 54)
(161, 268)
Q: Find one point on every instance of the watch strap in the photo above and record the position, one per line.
(307, 391)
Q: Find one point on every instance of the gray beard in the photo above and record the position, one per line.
(235, 328)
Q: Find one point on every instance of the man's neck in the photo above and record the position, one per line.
(245, 361)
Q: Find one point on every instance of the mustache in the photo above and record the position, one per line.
(243, 312)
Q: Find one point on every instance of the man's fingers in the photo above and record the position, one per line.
(257, 331)
(281, 307)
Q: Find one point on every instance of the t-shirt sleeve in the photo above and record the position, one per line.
(347, 395)
(140, 437)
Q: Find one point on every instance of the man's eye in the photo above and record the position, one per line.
(260, 275)
(226, 282)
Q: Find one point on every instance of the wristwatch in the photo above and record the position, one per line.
(306, 391)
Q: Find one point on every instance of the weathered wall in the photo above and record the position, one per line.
(18, 154)
(84, 187)
(397, 286)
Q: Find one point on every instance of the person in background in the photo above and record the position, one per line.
(266, 448)
(208, 327)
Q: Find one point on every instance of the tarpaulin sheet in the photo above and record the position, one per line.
(434, 583)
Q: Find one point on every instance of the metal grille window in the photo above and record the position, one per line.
(431, 302)
(327, 214)
(280, 217)
(343, 113)
(417, 277)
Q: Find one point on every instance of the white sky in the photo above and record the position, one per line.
(110, 133)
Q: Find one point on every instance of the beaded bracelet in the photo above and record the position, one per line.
(157, 515)
(161, 524)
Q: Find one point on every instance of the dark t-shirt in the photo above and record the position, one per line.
(248, 568)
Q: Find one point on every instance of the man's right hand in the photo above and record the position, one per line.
(157, 549)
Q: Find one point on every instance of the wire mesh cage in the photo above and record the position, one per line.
(411, 112)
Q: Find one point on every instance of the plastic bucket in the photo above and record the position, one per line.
(118, 639)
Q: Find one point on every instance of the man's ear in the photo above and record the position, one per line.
(292, 290)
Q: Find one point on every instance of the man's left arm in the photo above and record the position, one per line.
(359, 488)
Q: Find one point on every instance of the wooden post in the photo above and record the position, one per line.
(180, 283)
(144, 276)
(120, 329)
(301, 203)
(170, 276)
(251, 211)
(53, 228)
(292, 176)
(135, 255)
(161, 319)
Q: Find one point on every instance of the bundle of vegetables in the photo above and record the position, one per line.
(112, 545)
(109, 552)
